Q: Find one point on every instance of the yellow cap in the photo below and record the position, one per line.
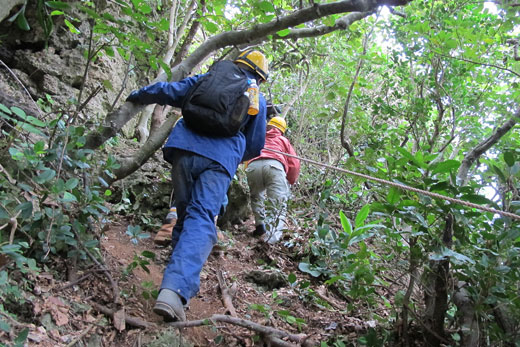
(279, 123)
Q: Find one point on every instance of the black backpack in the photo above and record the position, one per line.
(216, 105)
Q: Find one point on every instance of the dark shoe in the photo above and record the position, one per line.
(169, 306)
(259, 230)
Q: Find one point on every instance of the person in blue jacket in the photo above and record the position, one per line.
(202, 169)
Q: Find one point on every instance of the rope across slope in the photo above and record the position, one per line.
(403, 186)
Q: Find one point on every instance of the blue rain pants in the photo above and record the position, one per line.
(200, 185)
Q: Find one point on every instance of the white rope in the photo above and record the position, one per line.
(403, 186)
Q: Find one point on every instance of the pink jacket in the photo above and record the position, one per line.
(275, 140)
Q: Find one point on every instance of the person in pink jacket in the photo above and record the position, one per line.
(272, 174)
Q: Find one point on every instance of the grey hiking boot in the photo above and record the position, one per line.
(169, 306)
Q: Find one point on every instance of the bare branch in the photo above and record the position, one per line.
(482, 147)
(480, 63)
(262, 329)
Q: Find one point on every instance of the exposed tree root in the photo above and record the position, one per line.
(133, 321)
(272, 335)
(227, 294)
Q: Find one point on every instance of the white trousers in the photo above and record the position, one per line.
(267, 179)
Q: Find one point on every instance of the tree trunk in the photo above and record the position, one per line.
(436, 293)
(128, 166)
(467, 320)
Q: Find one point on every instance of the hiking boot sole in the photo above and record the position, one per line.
(167, 312)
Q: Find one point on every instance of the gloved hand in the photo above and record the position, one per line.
(134, 97)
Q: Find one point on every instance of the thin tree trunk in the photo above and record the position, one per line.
(436, 293)
(173, 40)
(128, 166)
(468, 323)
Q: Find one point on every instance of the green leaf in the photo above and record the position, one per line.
(408, 156)
(393, 195)
(477, 199)
(211, 27)
(305, 267)
(68, 197)
(292, 278)
(3, 213)
(4, 325)
(22, 23)
(35, 121)
(499, 173)
(405, 153)
(445, 166)
(91, 244)
(19, 112)
(362, 216)
(148, 254)
(45, 176)
(283, 32)
(290, 319)
(5, 109)
(455, 256)
(451, 44)
(28, 127)
(71, 27)
(39, 147)
(59, 5)
(509, 158)
(142, 6)
(22, 337)
(266, 6)
(26, 208)
(345, 223)
(71, 183)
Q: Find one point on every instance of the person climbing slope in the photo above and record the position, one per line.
(216, 133)
(271, 174)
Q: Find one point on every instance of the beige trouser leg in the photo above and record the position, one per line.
(269, 193)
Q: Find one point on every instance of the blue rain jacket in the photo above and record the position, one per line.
(227, 151)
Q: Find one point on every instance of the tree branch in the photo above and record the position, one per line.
(117, 119)
(482, 147)
(151, 145)
(479, 63)
(262, 329)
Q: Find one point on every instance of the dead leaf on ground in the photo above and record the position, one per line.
(119, 319)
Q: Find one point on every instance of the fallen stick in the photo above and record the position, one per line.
(133, 321)
(227, 295)
(82, 278)
(262, 329)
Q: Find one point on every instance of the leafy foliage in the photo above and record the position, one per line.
(417, 91)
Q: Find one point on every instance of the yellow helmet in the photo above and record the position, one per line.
(278, 122)
(257, 61)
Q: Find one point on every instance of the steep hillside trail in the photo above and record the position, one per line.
(81, 311)
(257, 272)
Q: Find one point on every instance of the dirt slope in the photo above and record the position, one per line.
(68, 313)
